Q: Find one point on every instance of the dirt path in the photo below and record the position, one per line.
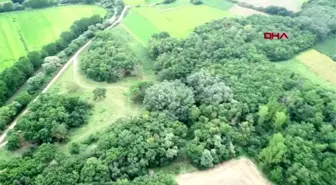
(74, 58)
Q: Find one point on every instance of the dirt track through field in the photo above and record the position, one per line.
(74, 58)
(234, 172)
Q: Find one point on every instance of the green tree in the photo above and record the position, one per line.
(206, 159)
(173, 97)
(99, 93)
(275, 152)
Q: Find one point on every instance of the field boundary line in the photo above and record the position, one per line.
(133, 35)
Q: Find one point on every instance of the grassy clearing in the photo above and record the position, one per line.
(32, 29)
(179, 21)
(177, 167)
(221, 4)
(327, 47)
(313, 66)
(116, 104)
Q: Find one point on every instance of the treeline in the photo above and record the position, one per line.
(16, 5)
(109, 59)
(12, 78)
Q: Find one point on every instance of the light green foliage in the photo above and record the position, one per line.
(19, 34)
(279, 120)
(206, 159)
(173, 97)
(209, 89)
(274, 152)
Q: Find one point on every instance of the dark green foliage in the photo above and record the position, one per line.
(108, 59)
(168, 1)
(137, 91)
(8, 113)
(133, 145)
(51, 116)
(171, 97)
(13, 142)
(196, 2)
(275, 10)
(37, 3)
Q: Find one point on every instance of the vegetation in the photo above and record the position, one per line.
(219, 96)
(328, 47)
(108, 59)
(50, 117)
(20, 35)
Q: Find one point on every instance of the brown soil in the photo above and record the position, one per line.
(234, 172)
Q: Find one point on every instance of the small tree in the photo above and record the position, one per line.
(13, 141)
(99, 93)
(50, 64)
(138, 91)
(196, 2)
(35, 82)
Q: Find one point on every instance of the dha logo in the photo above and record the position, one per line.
(270, 36)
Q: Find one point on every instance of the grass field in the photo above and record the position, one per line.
(221, 4)
(327, 47)
(139, 2)
(313, 66)
(178, 21)
(30, 30)
(116, 104)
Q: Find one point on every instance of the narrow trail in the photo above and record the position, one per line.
(75, 59)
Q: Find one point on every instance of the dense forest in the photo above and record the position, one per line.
(219, 97)
(108, 59)
(48, 120)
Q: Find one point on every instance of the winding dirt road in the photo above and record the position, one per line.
(75, 59)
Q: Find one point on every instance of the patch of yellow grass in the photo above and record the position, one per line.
(320, 64)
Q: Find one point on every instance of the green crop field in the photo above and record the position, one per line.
(313, 66)
(30, 30)
(178, 21)
(327, 47)
(221, 4)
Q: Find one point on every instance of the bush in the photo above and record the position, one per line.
(138, 91)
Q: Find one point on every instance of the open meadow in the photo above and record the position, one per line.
(30, 30)
(293, 5)
(116, 104)
(314, 67)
